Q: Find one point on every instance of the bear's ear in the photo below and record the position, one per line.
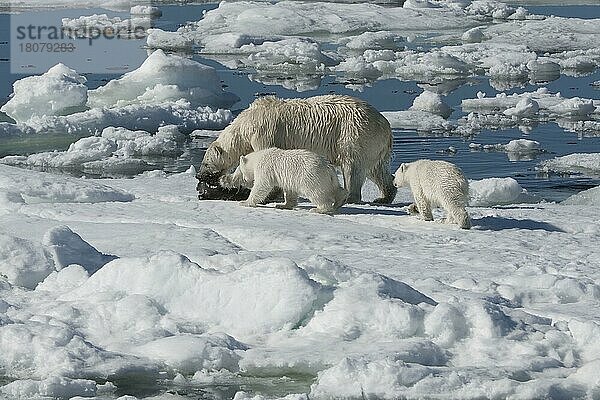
(218, 149)
(402, 167)
(243, 160)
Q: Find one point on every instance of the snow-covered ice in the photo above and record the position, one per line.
(163, 78)
(427, 113)
(516, 149)
(520, 109)
(111, 284)
(115, 151)
(494, 191)
(59, 91)
(165, 89)
(90, 25)
(586, 163)
(135, 276)
(504, 42)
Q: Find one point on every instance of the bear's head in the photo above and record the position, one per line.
(215, 163)
(400, 178)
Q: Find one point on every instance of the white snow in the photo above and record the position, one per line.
(162, 78)
(57, 92)
(145, 10)
(522, 146)
(55, 387)
(115, 151)
(379, 40)
(552, 34)
(136, 281)
(506, 43)
(427, 113)
(516, 149)
(529, 104)
(494, 191)
(90, 25)
(526, 107)
(473, 35)
(590, 197)
(417, 120)
(587, 163)
(204, 290)
(23, 263)
(164, 90)
(431, 102)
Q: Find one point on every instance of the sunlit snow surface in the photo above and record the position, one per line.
(121, 286)
(165, 89)
(135, 277)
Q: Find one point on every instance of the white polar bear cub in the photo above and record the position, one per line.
(438, 184)
(296, 172)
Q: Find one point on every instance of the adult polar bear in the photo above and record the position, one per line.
(346, 131)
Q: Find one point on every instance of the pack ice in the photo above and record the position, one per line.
(165, 89)
(105, 283)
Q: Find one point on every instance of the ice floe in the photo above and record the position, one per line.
(494, 191)
(165, 89)
(517, 149)
(115, 151)
(97, 24)
(427, 113)
(527, 108)
(503, 42)
(590, 197)
(586, 163)
(59, 91)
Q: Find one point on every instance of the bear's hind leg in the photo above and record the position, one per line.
(423, 205)
(458, 215)
(354, 179)
(381, 176)
(290, 202)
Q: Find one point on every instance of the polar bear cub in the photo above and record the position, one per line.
(296, 172)
(436, 184)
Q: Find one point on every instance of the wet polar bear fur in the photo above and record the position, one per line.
(347, 131)
(296, 172)
(436, 184)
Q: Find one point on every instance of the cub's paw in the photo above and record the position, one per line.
(247, 203)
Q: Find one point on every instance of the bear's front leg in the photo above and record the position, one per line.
(354, 179)
(290, 202)
(258, 194)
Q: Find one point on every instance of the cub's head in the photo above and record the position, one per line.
(400, 178)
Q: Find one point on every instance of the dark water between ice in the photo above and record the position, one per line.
(387, 95)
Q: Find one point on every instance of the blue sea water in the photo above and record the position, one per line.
(385, 95)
